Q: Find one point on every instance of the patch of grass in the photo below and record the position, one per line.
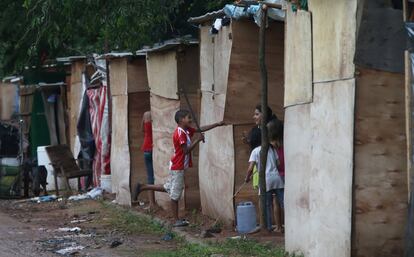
(234, 248)
(131, 223)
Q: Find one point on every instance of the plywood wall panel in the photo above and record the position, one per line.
(206, 59)
(192, 188)
(8, 100)
(118, 75)
(333, 32)
(75, 94)
(163, 124)
(380, 189)
(162, 74)
(188, 69)
(297, 146)
(138, 103)
(242, 155)
(243, 88)
(298, 60)
(222, 53)
(137, 75)
(120, 156)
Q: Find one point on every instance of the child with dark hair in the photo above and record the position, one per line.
(274, 181)
(180, 161)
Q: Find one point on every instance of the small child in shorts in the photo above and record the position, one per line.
(181, 160)
(274, 180)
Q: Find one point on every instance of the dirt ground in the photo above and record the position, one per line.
(31, 229)
(37, 229)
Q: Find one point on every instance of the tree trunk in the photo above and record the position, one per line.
(265, 143)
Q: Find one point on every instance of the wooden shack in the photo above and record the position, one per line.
(130, 99)
(230, 86)
(171, 67)
(345, 134)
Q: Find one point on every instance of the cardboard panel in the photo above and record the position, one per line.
(163, 124)
(333, 31)
(120, 156)
(380, 205)
(298, 57)
(206, 59)
(162, 74)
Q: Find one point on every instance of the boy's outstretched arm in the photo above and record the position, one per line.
(249, 172)
(187, 149)
(211, 126)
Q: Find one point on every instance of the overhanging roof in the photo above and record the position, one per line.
(167, 45)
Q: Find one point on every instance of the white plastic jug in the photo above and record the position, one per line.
(246, 217)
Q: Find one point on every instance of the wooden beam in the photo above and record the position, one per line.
(408, 119)
(265, 144)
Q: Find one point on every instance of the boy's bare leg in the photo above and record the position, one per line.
(158, 188)
(174, 209)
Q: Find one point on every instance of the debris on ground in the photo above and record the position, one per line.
(93, 194)
(43, 199)
(115, 243)
(70, 250)
(206, 234)
(168, 237)
(75, 229)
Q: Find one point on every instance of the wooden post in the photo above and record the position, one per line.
(408, 119)
(265, 143)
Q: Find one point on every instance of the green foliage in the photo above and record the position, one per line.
(239, 248)
(33, 31)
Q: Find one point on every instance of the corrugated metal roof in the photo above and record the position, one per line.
(113, 55)
(71, 58)
(207, 17)
(169, 44)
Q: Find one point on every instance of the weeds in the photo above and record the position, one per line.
(234, 248)
(131, 223)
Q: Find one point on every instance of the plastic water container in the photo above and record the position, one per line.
(106, 183)
(246, 217)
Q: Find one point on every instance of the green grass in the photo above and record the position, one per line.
(233, 248)
(131, 223)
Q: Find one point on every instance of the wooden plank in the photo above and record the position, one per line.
(380, 176)
(120, 155)
(298, 148)
(137, 75)
(138, 103)
(118, 76)
(298, 57)
(162, 74)
(408, 118)
(163, 124)
(333, 30)
(332, 126)
(243, 92)
(216, 174)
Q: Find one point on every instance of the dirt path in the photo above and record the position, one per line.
(18, 239)
(30, 229)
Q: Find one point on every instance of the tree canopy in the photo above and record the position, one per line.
(33, 31)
